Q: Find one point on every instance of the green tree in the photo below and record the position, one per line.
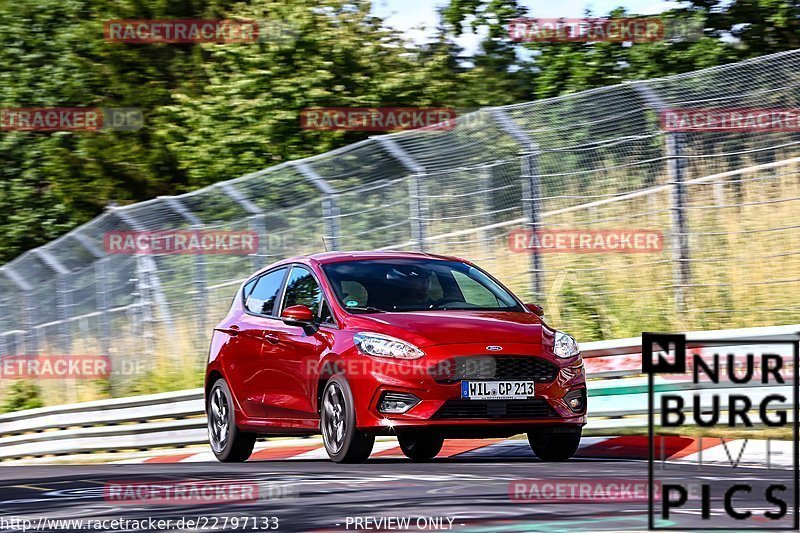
(728, 32)
(54, 55)
(758, 27)
(248, 116)
(211, 111)
(496, 74)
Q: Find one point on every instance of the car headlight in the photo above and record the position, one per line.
(565, 346)
(379, 345)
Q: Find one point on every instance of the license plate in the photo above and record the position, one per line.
(497, 390)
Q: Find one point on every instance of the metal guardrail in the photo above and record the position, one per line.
(177, 419)
(140, 422)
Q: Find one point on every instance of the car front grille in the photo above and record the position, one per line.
(492, 367)
(494, 409)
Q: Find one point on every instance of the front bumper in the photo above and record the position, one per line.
(441, 405)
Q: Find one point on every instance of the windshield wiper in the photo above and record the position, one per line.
(367, 309)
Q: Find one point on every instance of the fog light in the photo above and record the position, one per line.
(397, 402)
(576, 400)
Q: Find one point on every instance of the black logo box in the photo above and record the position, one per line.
(678, 342)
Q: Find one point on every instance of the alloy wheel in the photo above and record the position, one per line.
(218, 425)
(334, 427)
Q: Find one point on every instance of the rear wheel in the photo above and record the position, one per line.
(554, 446)
(420, 446)
(229, 444)
(343, 441)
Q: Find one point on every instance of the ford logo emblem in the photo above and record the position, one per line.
(494, 348)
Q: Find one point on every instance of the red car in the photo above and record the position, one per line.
(424, 347)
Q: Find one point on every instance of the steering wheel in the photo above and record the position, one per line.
(442, 301)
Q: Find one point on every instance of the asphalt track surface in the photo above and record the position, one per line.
(473, 492)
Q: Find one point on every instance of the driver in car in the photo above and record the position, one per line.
(413, 287)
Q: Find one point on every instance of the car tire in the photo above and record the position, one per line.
(554, 446)
(228, 442)
(343, 441)
(420, 446)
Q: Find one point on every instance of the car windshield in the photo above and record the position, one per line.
(415, 285)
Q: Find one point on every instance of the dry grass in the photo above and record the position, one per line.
(744, 262)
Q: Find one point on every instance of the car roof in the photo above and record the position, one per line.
(338, 257)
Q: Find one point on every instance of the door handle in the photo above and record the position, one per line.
(272, 339)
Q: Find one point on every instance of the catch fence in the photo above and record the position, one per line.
(726, 203)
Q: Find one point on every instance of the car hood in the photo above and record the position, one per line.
(430, 328)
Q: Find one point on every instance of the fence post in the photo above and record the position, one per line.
(485, 174)
(31, 337)
(676, 169)
(199, 281)
(100, 290)
(103, 304)
(330, 207)
(144, 288)
(30, 341)
(62, 296)
(257, 221)
(676, 147)
(146, 264)
(64, 305)
(531, 190)
(417, 197)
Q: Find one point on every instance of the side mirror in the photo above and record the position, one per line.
(298, 315)
(535, 309)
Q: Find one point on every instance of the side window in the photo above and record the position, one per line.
(262, 300)
(246, 290)
(325, 316)
(302, 289)
(249, 288)
(474, 293)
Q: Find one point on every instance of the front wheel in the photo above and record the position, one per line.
(554, 446)
(229, 444)
(343, 441)
(420, 446)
